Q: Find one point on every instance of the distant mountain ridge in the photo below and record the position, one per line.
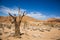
(6, 19)
(54, 20)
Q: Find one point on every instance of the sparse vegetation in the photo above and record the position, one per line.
(0, 33)
(29, 30)
(58, 39)
(0, 38)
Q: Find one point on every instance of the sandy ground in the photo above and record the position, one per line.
(30, 34)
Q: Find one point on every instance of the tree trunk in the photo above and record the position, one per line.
(17, 30)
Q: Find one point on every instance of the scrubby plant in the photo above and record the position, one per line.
(9, 26)
(25, 25)
(0, 34)
(0, 39)
(1, 25)
(58, 39)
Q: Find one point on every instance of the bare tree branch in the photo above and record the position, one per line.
(19, 13)
(11, 15)
(20, 20)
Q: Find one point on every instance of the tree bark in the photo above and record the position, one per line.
(17, 30)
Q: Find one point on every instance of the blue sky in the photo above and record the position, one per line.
(40, 8)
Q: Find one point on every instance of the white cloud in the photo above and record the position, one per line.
(33, 14)
(37, 15)
(41, 16)
(5, 10)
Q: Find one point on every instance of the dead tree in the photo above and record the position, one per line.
(17, 23)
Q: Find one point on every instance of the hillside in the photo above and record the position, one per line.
(6, 19)
(25, 18)
(53, 20)
(34, 29)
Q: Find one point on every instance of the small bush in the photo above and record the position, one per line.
(0, 33)
(57, 39)
(0, 39)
